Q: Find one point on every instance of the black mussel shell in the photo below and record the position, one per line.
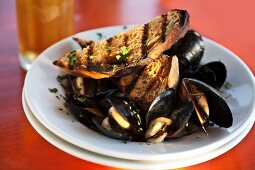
(128, 112)
(161, 106)
(219, 112)
(92, 87)
(188, 49)
(213, 73)
(112, 134)
(82, 115)
(84, 101)
(105, 87)
(180, 117)
(220, 72)
(83, 86)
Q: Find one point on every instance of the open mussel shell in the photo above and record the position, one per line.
(157, 121)
(220, 72)
(213, 73)
(208, 103)
(124, 117)
(161, 106)
(92, 87)
(180, 117)
(188, 49)
(83, 109)
(104, 128)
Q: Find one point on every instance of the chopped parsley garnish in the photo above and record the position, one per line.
(90, 57)
(61, 78)
(100, 35)
(198, 97)
(124, 50)
(123, 54)
(109, 48)
(72, 59)
(53, 90)
(227, 85)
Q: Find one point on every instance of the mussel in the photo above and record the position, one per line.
(213, 73)
(92, 87)
(164, 121)
(157, 121)
(188, 49)
(208, 104)
(122, 122)
(84, 109)
(170, 97)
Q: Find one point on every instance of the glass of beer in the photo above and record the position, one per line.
(40, 24)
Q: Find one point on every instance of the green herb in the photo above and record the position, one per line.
(90, 57)
(109, 48)
(146, 43)
(124, 50)
(124, 141)
(61, 78)
(53, 90)
(198, 97)
(170, 27)
(124, 27)
(58, 97)
(123, 54)
(72, 59)
(227, 85)
(100, 35)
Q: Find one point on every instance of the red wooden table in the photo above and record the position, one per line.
(229, 22)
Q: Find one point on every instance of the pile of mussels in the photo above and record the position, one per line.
(193, 106)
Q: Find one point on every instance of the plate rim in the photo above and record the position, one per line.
(111, 161)
(134, 156)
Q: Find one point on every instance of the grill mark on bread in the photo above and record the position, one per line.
(163, 28)
(130, 87)
(144, 40)
(90, 53)
(126, 40)
(154, 48)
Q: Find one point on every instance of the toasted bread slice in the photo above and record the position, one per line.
(142, 87)
(127, 51)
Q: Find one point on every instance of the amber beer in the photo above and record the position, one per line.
(40, 24)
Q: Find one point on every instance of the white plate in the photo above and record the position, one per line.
(42, 75)
(123, 163)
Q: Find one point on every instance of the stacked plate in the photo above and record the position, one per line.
(46, 112)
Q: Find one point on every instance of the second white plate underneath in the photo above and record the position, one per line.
(123, 163)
